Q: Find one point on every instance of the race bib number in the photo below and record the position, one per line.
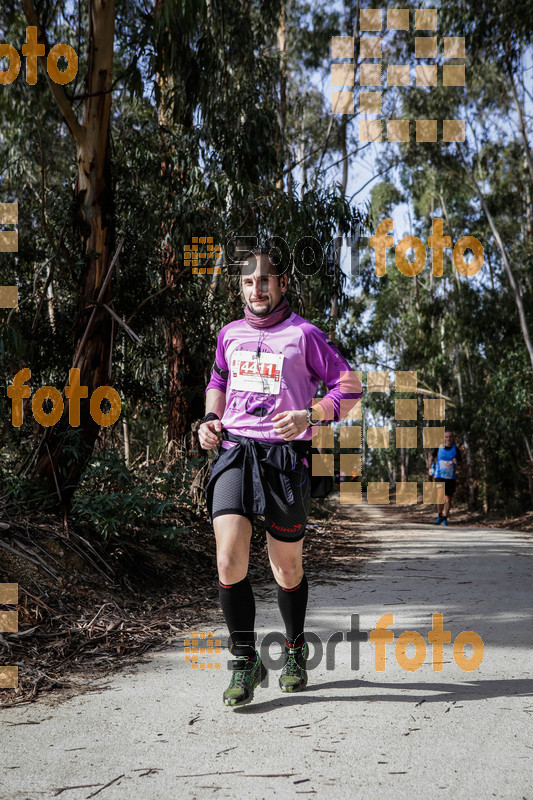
(252, 374)
(446, 469)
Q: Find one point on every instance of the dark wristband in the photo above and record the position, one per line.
(209, 417)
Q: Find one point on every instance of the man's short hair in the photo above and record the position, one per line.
(276, 265)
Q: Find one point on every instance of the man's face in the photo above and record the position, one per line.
(448, 439)
(261, 291)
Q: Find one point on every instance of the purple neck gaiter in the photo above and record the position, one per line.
(278, 314)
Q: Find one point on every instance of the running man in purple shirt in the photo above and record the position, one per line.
(259, 412)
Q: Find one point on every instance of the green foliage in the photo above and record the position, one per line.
(202, 146)
(114, 500)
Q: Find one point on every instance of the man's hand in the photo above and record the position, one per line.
(290, 424)
(209, 434)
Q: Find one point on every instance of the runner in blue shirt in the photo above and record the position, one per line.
(446, 458)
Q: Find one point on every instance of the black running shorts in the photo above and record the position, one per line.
(284, 522)
(449, 486)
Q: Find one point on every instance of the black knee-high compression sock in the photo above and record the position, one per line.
(238, 606)
(293, 604)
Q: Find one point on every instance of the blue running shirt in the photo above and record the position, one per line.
(445, 467)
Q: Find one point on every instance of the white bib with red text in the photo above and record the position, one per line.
(252, 374)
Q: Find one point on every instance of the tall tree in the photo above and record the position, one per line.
(94, 202)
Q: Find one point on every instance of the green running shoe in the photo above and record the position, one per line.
(245, 676)
(294, 674)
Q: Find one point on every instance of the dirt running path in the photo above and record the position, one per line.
(159, 731)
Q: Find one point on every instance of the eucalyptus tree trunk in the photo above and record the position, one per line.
(282, 116)
(352, 13)
(54, 463)
(403, 464)
(519, 105)
(515, 289)
(334, 303)
(466, 437)
(182, 374)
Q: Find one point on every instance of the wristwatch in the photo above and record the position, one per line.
(309, 416)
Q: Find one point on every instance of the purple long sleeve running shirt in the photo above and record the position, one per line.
(265, 371)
